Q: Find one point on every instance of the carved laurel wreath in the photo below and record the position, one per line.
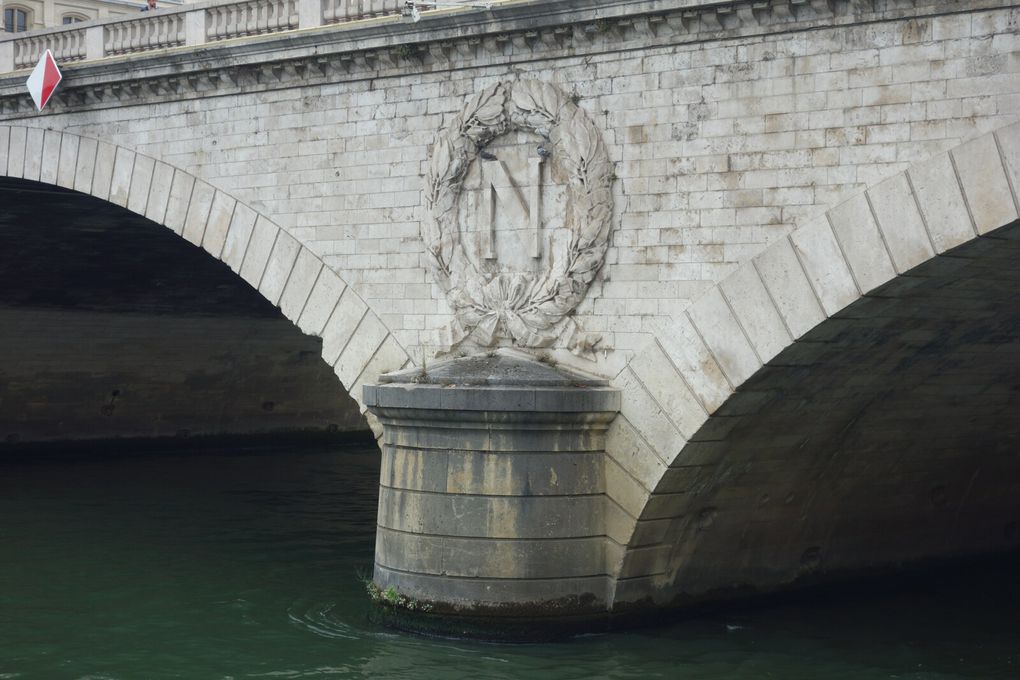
(524, 305)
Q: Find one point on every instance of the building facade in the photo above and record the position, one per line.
(27, 15)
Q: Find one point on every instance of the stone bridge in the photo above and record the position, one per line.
(778, 237)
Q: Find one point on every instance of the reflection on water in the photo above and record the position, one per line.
(250, 566)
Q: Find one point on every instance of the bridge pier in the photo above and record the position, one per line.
(491, 498)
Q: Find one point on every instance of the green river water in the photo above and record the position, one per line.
(208, 565)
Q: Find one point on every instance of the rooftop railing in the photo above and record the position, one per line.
(187, 25)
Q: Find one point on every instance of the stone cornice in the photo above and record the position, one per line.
(510, 32)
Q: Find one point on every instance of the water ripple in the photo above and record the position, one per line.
(317, 618)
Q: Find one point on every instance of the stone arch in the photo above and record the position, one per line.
(355, 341)
(698, 361)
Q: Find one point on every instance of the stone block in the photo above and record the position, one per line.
(367, 338)
(516, 517)
(667, 505)
(537, 473)
(159, 192)
(789, 288)
(242, 223)
(984, 183)
(721, 331)
(16, 152)
(593, 590)
(141, 182)
(628, 449)
(862, 243)
(202, 195)
(649, 532)
(619, 525)
(669, 391)
(120, 180)
(648, 418)
(34, 139)
(1008, 139)
(66, 161)
(85, 164)
(341, 324)
(756, 312)
(899, 218)
(299, 285)
(389, 357)
(220, 214)
(102, 174)
(180, 199)
(681, 343)
(278, 267)
(625, 490)
(260, 245)
(5, 141)
(650, 559)
(941, 203)
(50, 157)
(830, 276)
(486, 399)
(323, 298)
(489, 558)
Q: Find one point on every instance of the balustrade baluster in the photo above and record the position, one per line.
(263, 17)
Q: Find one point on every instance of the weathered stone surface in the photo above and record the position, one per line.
(862, 243)
(789, 288)
(299, 285)
(260, 246)
(722, 333)
(322, 300)
(178, 202)
(941, 202)
(465, 472)
(120, 178)
(482, 593)
(984, 184)
(478, 483)
(452, 514)
(216, 227)
(281, 262)
(756, 311)
(33, 153)
(896, 211)
(66, 164)
(202, 195)
(823, 261)
(16, 152)
(141, 182)
(159, 192)
(242, 224)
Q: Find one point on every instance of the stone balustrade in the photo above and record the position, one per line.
(189, 25)
(67, 45)
(141, 35)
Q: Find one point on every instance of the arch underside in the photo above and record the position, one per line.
(886, 435)
(356, 344)
(113, 327)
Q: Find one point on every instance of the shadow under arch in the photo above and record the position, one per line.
(356, 343)
(844, 402)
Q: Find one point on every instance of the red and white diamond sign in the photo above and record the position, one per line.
(44, 80)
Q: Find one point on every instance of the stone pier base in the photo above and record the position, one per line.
(491, 494)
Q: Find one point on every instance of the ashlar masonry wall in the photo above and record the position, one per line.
(720, 147)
